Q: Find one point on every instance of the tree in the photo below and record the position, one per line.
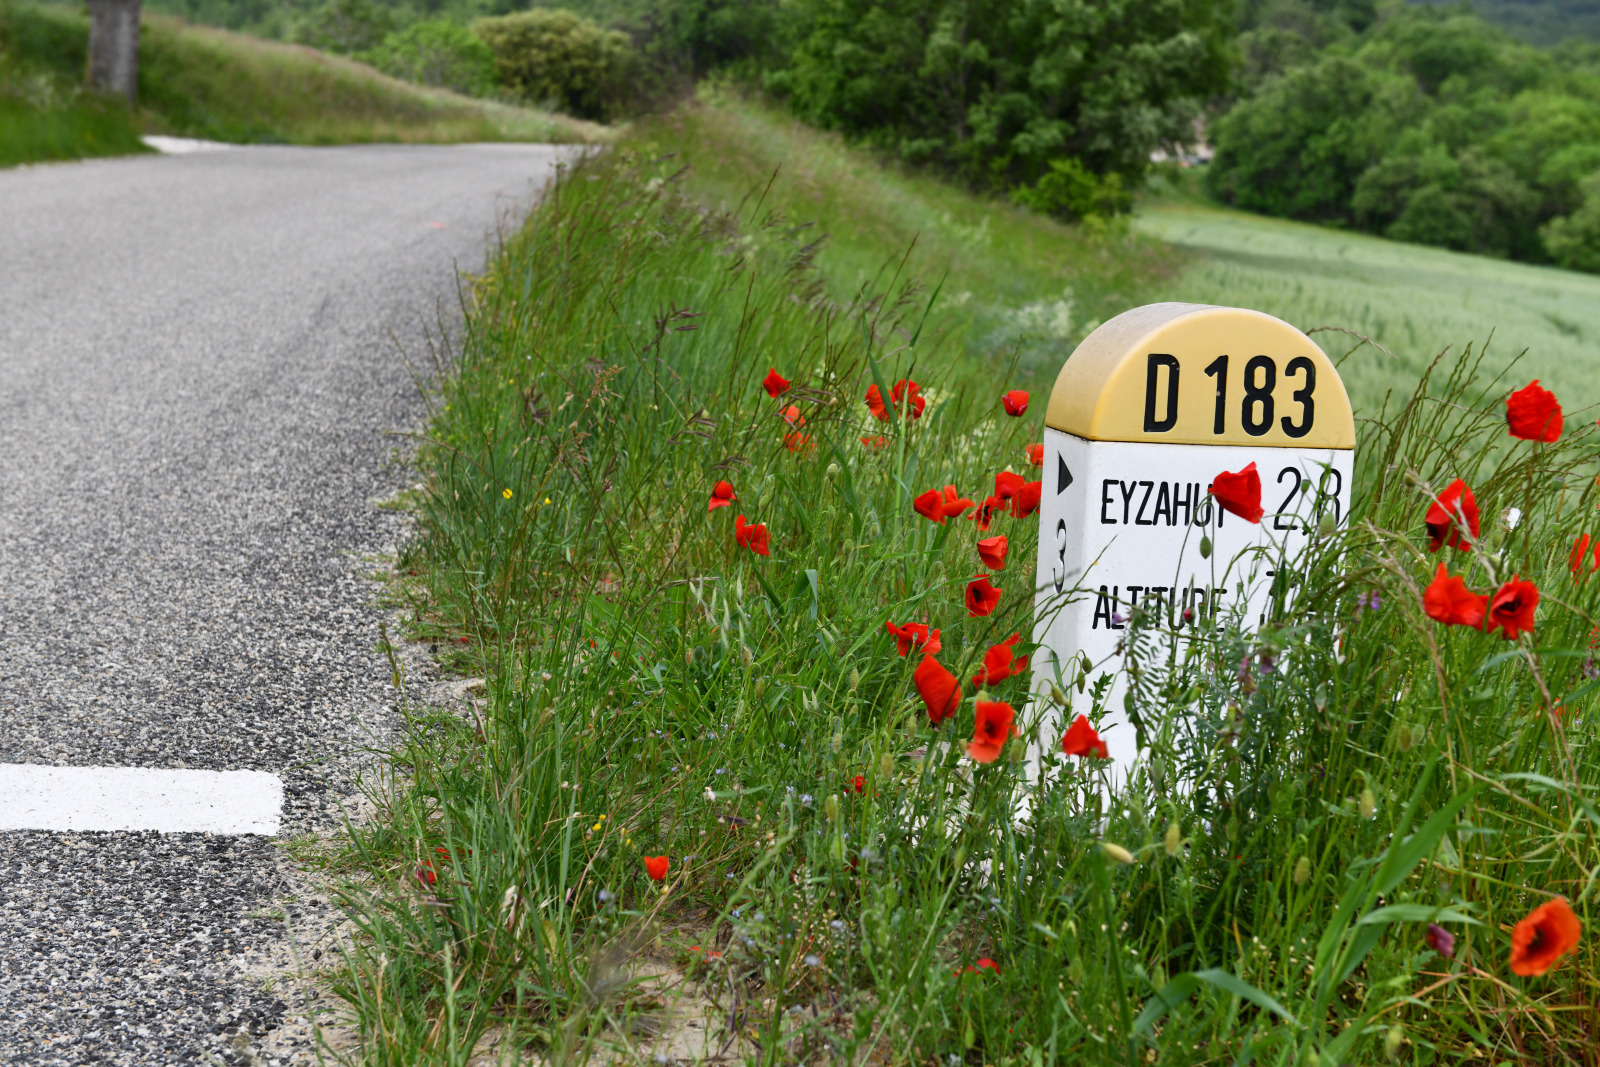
(994, 90)
(114, 47)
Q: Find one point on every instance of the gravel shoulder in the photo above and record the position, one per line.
(201, 380)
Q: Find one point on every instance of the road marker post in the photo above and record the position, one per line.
(1146, 411)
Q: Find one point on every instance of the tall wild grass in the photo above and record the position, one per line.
(844, 882)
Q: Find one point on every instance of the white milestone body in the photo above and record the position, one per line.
(1146, 413)
(1121, 524)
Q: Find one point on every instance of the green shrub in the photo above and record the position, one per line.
(993, 90)
(437, 52)
(1069, 191)
(345, 26)
(1574, 241)
(555, 58)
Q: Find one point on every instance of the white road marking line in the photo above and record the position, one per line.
(34, 797)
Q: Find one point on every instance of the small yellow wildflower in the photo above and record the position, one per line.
(506, 493)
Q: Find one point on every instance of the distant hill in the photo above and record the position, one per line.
(1544, 22)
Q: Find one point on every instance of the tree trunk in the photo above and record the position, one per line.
(114, 47)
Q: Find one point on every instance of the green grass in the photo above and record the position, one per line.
(1412, 300)
(217, 85)
(1022, 283)
(200, 82)
(1321, 790)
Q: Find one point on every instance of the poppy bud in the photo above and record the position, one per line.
(1205, 547)
(831, 806)
(1174, 839)
(1394, 1041)
(1116, 852)
(1231, 828)
(1402, 739)
(1419, 735)
(1369, 804)
(838, 742)
(1302, 870)
(1057, 696)
(855, 679)
(1015, 752)
(1312, 1059)
(1326, 524)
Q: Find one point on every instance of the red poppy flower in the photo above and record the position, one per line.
(792, 416)
(875, 404)
(915, 635)
(721, 496)
(939, 505)
(1511, 609)
(1580, 549)
(1035, 453)
(1446, 514)
(859, 784)
(774, 383)
(799, 443)
(753, 537)
(1549, 932)
(875, 444)
(999, 663)
(982, 596)
(1082, 740)
(1008, 485)
(905, 391)
(1239, 492)
(994, 726)
(1026, 502)
(902, 389)
(656, 867)
(992, 550)
(425, 874)
(1448, 600)
(939, 689)
(986, 512)
(1533, 414)
(1015, 402)
(984, 963)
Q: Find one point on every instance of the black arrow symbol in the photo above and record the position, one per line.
(1063, 476)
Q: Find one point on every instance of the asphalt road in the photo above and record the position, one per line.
(197, 372)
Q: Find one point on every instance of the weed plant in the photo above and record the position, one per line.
(844, 882)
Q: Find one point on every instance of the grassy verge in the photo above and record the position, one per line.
(212, 84)
(1018, 283)
(844, 881)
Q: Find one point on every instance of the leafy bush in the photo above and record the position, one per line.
(555, 58)
(345, 26)
(1574, 241)
(1432, 127)
(440, 53)
(1068, 191)
(993, 90)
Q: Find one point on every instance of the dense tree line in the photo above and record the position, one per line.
(1422, 124)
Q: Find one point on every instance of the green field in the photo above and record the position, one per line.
(1410, 299)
